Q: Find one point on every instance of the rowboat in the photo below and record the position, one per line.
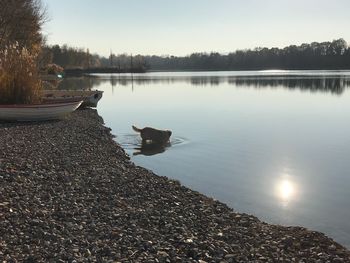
(90, 98)
(38, 112)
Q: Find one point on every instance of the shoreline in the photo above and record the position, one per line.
(69, 192)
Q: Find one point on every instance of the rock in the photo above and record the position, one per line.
(162, 254)
(228, 256)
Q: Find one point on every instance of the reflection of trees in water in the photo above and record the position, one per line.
(333, 84)
(78, 83)
(324, 84)
(138, 80)
(213, 80)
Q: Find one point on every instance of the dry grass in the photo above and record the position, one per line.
(19, 78)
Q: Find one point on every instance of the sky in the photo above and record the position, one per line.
(182, 27)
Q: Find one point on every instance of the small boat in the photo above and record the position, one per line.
(38, 112)
(90, 97)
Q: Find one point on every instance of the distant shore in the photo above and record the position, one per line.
(69, 192)
(81, 72)
(73, 72)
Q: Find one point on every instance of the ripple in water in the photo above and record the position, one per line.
(132, 143)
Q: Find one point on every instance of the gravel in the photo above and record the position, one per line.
(69, 193)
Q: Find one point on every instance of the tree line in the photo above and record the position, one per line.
(324, 55)
(73, 57)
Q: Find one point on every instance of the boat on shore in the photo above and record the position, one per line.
(90, 98)
(38, 112)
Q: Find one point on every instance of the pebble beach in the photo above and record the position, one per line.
(69, 193)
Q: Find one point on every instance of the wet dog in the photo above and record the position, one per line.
(152, 135)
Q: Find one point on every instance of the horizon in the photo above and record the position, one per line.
(165, 28)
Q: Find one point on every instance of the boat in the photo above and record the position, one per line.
(90, 97)
(38, 112)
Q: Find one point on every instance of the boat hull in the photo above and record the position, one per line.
(37, 112)
(90, 98)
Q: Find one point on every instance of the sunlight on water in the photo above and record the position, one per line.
(274, 71)
(285, 191)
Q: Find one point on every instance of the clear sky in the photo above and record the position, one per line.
(181, 27)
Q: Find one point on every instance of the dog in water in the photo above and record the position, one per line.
(152, 135)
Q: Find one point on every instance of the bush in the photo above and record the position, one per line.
(19, 77)
(53, 69)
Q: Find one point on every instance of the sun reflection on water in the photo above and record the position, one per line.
(285, 191)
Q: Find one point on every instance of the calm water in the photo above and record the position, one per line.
(275, 144)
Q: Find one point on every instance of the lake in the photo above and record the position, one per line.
(275, 144)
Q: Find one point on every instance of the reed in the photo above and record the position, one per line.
(19, 77)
